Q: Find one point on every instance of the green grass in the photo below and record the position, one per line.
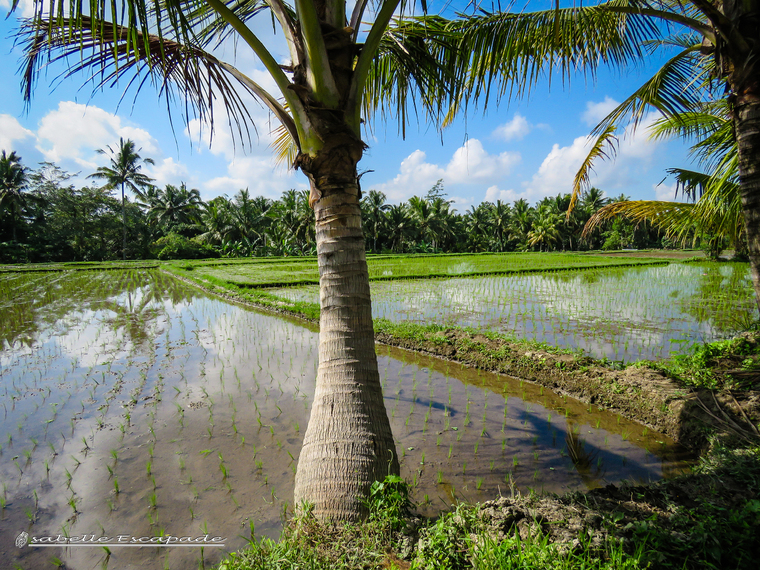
(707, 519)
(273, 272)
(732, 364)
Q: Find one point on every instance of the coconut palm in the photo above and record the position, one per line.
(399, 226)
(717, 213)
(12, 183)
(545, 230)
(123, 171)
(717, 48)
(344, 67)
(500, 216)
(176, 208)
(374, 207)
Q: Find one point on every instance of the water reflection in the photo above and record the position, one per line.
(621, 314)
(140, 406)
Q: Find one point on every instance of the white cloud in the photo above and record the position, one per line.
(168, 172)
(515, 129)
(257, 173)
(666, 193)
(634, 154)
(494, 193)
(10, 131)
(75, 131)
(470, 164)
(24, 9)
(595, 112)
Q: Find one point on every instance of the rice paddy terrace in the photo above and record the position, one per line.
(136, 404)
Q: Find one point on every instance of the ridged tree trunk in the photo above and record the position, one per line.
(738, 59)
(747, 120)
(348, 443)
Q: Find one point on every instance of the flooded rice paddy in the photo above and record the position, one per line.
(620, 314)
(136, 406)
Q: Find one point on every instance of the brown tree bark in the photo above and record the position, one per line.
(348, 443)
(747, 122)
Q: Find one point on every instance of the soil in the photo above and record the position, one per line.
(638, 392)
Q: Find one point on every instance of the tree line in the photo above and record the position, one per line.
(47, 218)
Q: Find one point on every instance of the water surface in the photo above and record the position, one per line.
(136, 405)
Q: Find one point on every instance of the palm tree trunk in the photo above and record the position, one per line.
(747, 122)
(123, 225)
(348, 443)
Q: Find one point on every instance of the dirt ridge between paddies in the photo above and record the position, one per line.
(648, 393)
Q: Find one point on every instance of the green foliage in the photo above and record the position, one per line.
(175, 246)
(388, 501)
(710, 365)
(445, 545)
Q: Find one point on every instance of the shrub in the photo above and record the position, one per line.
(175, 246)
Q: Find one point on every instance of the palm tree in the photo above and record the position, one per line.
(216, 220)
(373, 214)
(344, 67)
(500, 216)
(520, 223)
(176, 208)
(398, 225)
(544, 232)
(718, 52)
(12, 183)
(716, 214)
(123, 171)
(478, 221)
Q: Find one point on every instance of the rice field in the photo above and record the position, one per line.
(267, 272)
(133, 404)
(616, 313)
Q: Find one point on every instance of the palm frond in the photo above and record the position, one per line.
(417, 64)
(179, 71)
(605, 147)
(285, 148)
(512, 51)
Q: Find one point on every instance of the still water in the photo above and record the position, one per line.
(134, 405)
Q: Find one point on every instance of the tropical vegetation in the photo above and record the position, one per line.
(46, 218)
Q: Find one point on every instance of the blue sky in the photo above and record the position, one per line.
(526, 149)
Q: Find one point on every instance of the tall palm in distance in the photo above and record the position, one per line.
(176, 208)
(124, 171)
(12, 183)
(374, 206)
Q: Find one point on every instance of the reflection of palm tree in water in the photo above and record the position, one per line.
(586, 463)
(34, 303)
(144, 303)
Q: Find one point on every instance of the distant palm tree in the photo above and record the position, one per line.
(500, 215)
(176, 208)
(373, 214)
(12, 182)
(123, 171)
(520, 223)
(399, 225)
(545, 230)
(217, 221)
(593, 199)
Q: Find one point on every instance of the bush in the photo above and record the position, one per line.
(175, 246)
